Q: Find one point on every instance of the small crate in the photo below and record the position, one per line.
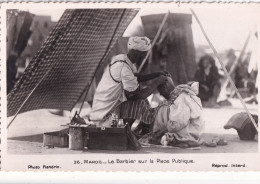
(107, 138)
(56, 139)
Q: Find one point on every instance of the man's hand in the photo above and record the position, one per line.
(145, 92)
(161, 79)
(165, 73)
(151, 76)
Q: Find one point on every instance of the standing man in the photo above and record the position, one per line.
(121, 83)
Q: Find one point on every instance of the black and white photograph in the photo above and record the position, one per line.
(126, 82)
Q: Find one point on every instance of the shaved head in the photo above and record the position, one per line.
(166, 88)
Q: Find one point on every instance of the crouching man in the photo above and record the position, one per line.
(179, 119)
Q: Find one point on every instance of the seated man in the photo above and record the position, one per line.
(120, 83)
(179, 119)
(209, 79)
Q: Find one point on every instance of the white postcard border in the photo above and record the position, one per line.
(203, 161)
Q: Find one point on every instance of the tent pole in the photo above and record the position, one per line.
(241, 55)
(225, 70)
(154, 41)
(84, 98)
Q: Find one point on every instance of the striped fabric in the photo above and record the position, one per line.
(65, 65)
(137, 109)
(141, 109)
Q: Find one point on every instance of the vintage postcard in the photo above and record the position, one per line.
(129, 87)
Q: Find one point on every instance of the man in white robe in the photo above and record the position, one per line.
(120, 81)
(179, 119)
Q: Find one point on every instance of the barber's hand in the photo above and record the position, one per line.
(162, 79)
(165, 73)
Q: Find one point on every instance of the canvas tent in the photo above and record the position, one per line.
(63, 69)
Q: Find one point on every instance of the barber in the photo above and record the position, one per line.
(120, 81)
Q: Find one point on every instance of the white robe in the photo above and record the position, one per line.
(183, 118)
(109, 93)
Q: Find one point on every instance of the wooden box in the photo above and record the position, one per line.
(56, 139)
(106, 138)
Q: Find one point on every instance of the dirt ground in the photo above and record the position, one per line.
(25, 135)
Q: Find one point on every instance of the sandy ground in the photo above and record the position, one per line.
(25, 135)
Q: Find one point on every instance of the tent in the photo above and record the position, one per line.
(63, 69)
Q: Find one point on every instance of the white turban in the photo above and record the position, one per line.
(139, 43)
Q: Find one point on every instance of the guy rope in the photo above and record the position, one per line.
(225, 70)
(242, 53)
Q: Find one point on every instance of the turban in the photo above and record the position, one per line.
(139, 43)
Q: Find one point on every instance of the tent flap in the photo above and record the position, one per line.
(70, 55)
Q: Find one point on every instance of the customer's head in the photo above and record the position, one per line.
(138, 48)
(166, 88)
